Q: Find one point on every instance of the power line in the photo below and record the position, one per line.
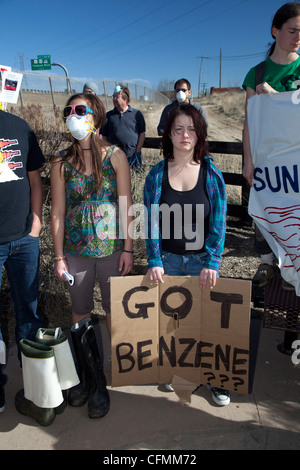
(88, 34)
(140, 35)
(237, 57)
(189, 26)
(220, 59)
(164, 24)
(112, 33)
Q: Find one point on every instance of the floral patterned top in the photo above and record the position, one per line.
(92, 217)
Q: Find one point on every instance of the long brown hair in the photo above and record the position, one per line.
(201, 147)
(75, 152)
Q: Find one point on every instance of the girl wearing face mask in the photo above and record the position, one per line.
(87, 180)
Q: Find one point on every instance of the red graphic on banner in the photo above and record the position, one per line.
(286, 223)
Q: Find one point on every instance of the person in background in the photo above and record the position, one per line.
(281, 73)
(125, 126)
(183, 92)
(187, 178)
(90, 87)
(21, 197)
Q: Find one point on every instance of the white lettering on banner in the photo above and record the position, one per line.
(274, 196)
(276, 179)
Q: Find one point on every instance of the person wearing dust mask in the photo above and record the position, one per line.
(183, 92)
(87, 181)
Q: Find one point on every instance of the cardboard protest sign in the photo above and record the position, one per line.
(274, 204)
(177, 333)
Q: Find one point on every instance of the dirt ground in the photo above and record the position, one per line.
(221, 127)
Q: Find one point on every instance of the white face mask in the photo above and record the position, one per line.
(78, 126)
(181, 96)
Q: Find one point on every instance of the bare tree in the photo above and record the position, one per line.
(165, 84)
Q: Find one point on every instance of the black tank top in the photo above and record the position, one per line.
(183, 214)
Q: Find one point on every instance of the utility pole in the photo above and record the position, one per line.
(21, 60)
(200, 71)
(199, 81)
(220, 80)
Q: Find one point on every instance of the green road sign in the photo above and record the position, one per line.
(43, 62)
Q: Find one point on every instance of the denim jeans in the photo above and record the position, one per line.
(21, 261)
(135, 161)
(183, 265)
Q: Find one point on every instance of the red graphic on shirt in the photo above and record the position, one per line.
(6, 156)
(7, 143)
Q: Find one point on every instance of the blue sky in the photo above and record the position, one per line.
(142, 41)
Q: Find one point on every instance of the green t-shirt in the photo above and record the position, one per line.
(279, 77)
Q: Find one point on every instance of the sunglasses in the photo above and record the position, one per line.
(79, 109)
(181, 89)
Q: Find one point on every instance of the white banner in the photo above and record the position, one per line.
(274, 127)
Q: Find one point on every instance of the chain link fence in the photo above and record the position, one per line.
(54, 90)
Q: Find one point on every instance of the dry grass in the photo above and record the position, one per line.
(228, 104)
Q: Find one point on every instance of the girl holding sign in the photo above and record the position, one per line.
(279, 73)
(185, 197)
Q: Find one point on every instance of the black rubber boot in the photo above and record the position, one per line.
(99, 401)
(79, 394)
(43, 416)
(61, 408)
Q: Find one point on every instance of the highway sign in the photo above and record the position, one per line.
(43, 62)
